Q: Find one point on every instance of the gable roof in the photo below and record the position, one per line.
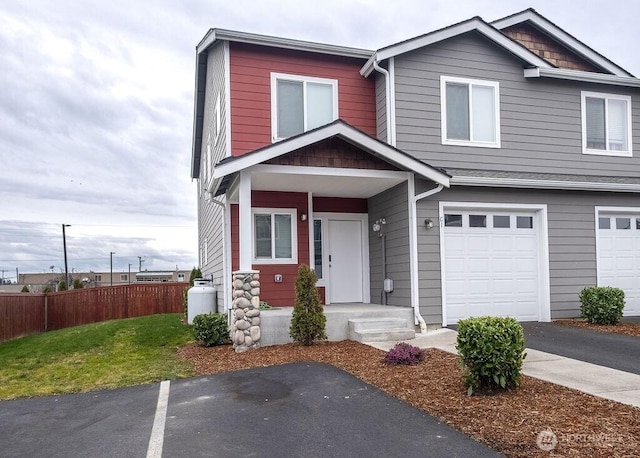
(569, 41)
(339, 129)
(214, 36)
(474, 24)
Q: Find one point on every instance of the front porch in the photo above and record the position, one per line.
(275, 323)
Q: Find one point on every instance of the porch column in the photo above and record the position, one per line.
(245, 223)
(245, 310)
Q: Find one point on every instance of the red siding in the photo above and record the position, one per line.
(251, 68)
(339, 205)
(277, 294)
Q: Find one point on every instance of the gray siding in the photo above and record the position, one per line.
(211, 215)
(540, 118)
(393, 206)
(381, 107)
(571, 229)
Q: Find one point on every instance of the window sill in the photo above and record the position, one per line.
(602, 152)
(470, 143)
(274, 261)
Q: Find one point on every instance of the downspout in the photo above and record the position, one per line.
(388, 102)
(414, 248)
(225, 279)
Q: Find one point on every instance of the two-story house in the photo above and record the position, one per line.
(480, 169)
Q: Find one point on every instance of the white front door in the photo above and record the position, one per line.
(345, 261)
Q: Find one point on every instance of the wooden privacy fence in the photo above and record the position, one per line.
(26, 313)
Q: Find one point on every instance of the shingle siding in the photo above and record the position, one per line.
(571, 231)
(541, 128)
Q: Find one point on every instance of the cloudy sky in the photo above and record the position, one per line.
(96, 108)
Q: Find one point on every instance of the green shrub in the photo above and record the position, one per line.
(491, 352)
(25, 289)
(47, 289)
(602, 304)
(62, 286)
(403, 354)
(211, 329)
(308, 321)
(77, 284)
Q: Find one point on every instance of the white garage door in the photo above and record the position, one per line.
(619, 257)
(491, 265)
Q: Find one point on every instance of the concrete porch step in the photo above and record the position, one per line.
(380, 329)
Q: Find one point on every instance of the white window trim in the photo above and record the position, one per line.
(305, 79)
(294, 236)
(443, 97)
(605, 152)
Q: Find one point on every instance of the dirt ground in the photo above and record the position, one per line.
(512, 422)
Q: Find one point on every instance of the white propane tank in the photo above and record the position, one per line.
(200, 299)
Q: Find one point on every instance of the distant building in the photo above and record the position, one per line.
(38, 281)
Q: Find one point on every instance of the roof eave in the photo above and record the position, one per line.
(577, 75)
(501, 182)
(279, 42)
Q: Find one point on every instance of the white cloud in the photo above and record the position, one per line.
(96, 106)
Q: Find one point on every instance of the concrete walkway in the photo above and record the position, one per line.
(589, 378)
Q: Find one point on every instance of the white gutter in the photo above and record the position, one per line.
(387, 85)
(544, 184)
(577, 75)
(413, 254)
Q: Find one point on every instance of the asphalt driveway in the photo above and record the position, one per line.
(301, 409)
(616, 351)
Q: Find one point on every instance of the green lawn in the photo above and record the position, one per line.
(111, 354)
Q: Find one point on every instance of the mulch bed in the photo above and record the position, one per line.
(509, 422)
(630, 329)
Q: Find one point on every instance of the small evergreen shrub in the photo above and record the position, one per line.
(491, 351)
(25, 289)
(211, 329)
(602, 304)
(62, 286)
(77, 284)
(308, 321)
(403, 354)
(47, 289)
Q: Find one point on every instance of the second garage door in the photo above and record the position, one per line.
(491, 264)
(619, 257)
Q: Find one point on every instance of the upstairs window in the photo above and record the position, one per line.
(606, 124)
(470, 112)
(301, 103)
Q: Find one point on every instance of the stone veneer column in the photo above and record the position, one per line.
(245, 310)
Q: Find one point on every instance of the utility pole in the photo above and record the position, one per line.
(129, 277)
(111, 253)
(140, 261)
(64, 245)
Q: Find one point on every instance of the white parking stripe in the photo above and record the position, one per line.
(157, 432)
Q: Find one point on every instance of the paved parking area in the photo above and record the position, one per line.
(301, 409)
(615, 351)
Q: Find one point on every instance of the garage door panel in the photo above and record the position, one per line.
(491, 271)
(619, 257)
